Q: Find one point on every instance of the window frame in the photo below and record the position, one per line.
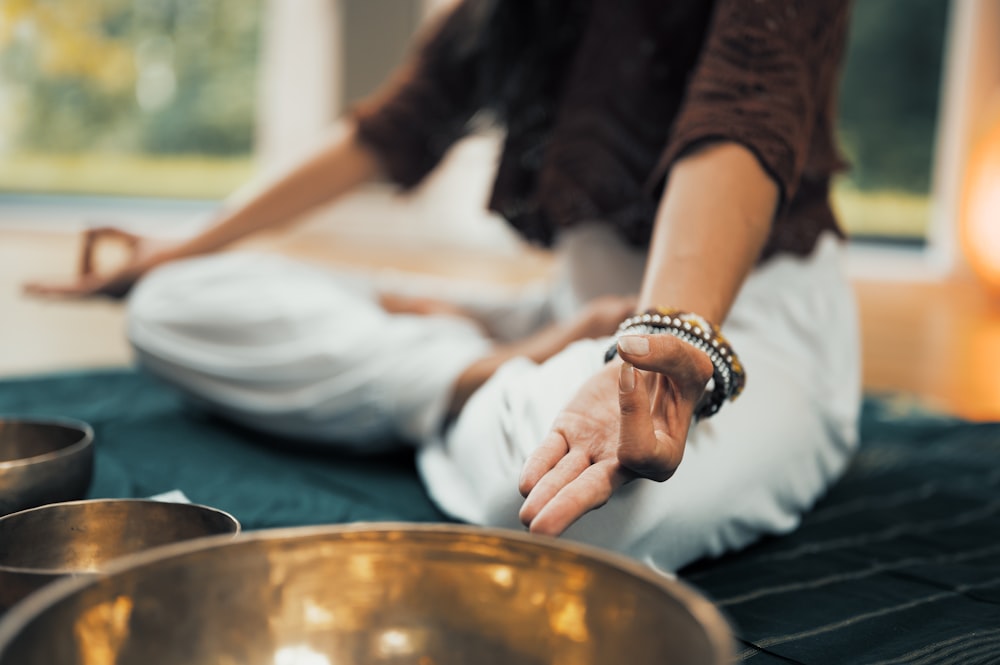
(971, 73)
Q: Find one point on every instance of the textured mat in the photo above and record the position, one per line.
(900, 563)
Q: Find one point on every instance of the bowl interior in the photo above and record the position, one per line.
(83, 536)
(389, 595)
(20, 440)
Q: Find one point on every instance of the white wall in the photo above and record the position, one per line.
(301, 99)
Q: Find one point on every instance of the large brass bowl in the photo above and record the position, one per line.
(42, 544)
(369, 594)
(44, 461)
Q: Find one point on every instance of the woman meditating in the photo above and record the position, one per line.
(677, 157)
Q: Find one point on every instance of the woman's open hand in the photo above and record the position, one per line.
(621, 425)
(142, 255)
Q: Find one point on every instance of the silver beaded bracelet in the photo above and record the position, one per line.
(728, 375)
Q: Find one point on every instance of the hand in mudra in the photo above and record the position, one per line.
(142, 254)
(622, 424)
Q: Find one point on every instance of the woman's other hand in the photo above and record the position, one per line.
(142, 255)
(601, 316)
(630, 420)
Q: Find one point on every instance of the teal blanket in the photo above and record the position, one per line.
(148, 442)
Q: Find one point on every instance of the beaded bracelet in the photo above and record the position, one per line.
(728, 375)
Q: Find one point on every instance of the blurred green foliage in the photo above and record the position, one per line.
(161, 77)
(890, 92)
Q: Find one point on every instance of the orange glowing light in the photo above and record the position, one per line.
(981, 219)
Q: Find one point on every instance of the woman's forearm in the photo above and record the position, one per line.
(336, 168)
(713, 220)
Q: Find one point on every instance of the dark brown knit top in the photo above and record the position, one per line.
(600, 97)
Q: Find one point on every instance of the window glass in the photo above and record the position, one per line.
(127, 97)
(888, 116)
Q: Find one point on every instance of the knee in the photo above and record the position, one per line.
(201, 295)
(183, 300)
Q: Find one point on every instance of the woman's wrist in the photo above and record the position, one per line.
(163, 256)
(701, 336)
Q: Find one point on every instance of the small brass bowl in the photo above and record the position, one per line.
(44, 461)
(42, 544)
(369, 595)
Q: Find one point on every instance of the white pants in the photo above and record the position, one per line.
(303, 352)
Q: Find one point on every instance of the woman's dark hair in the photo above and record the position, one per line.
(516, 51)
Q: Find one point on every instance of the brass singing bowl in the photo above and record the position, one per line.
(44, 461)
(40, 545)
(369, 595)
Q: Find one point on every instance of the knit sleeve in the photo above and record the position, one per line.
(765, 68)
(426, 106)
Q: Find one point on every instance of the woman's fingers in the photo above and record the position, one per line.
(85, 285)
(564, 472)
(642, 448)
(687, 367)
(89, 281)
(81, 287)
(644, 444)
(590, 489)
(91, 239)
(552, 449)
(115, 286)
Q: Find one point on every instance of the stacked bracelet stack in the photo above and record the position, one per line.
(728, 375)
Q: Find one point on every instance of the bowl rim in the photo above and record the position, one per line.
(85, 441)
(64, 572)
(717, 628)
